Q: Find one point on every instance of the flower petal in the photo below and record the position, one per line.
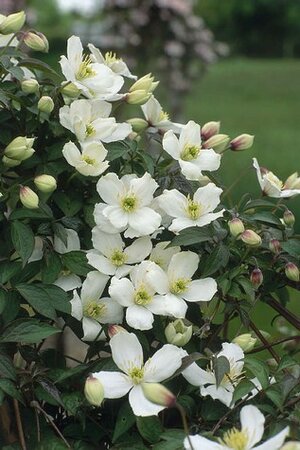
(92, 330)
(252, 421)
(138, 250)
(275, 442)
(113, 312)
(163, 363)
(93, 286)
(171, 145)
(145, 220)
(71, 153)
(115, 384)
(126, 351)
(208, 196)
(183, 265)
(173, 203)
(110, 188)
(201, 443)
(201, 290)
(76, 306)
(122, 291)
(139, 318)
(197, 376)
(140, 405)
(101, 263)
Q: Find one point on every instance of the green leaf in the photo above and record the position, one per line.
(23, 239)
(125, 420)
(292, 247)
(191, 236)
(28, 331)
(76, 262)
(70, 204)
(8, 270)
(217, 259)
(7, 369)
(117, 150)
(36, 64)
(259, 369)
(10, 389)
(61, 233)
(3, 297)
(150, 428)
(258, 204)
(40, 294)
(266, 217)
(242, 389)
(274, 393)
(247, 287)
(25, 213)
(73, 401)
(286, 362)
(172, 440)
(51, 267)
(37, 299)
(221, 367)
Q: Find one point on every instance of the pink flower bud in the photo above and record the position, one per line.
(242, 142)
(114, 329)
(28, 198)
(158, 394)
(36, 41)
(209, 129)
(275, 246)
(218, 142)
(292, 271)
(251, 238)
(94, 391)
(288, 218)
(236, 226)
(256, 278)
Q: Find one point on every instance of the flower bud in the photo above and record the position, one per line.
(46, 104)
(8, 162)
(30, 86)
(138, 97)
(292, 271)
(288, 218)
(209, 129)
(218, 142)
(28, 198)
(94, 391)
(16, 149)
(245, 341)
(158, 394)
(138, 124)
(28, 153)
(256, 278)
(115, 329)
(292, 182)
(70, 90)
(242, 142)
(12, 23)
(236, 226)
(275, 246)
(45, 183)
(291, 445)
(145, 83)
(178, 333)
(36, 41)
(251, 238)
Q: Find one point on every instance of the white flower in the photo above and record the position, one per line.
(161, 255)
(157, 118)
(176, 285)
(117, 65)
(252, 430)
(112, 258)
(103, 222)
(188, 152)
(139, 297)
(206, 379)
(93, 79)
(272, 186)
(89, 120)
(127, 354)
(128, 201)
(93, 310)
(90, 162)
(191, 212)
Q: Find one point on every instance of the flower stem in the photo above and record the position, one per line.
(184, 423)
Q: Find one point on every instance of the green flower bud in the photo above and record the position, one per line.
(70, 90)
(291, 445)
(158, 394)
(178, 333)
(209, 129)
(218, 142)
(251, 238)
(236, 226)
(288, 218)
(46, 104)
(138, 97)
(17, 148)
(145, 83)
(138, 124)
(292, 272)
(45, 183)
(36, 41)
(8, 162)
(28, 198)
(94, 391)
(12, 23)
(256, 278)
(30, 86)
(245, 341)
(242, 142)
(292, 182)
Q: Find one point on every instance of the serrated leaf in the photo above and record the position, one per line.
(124, 421)
(28, 331)
(150, 428)
(221, 367)
(191, 236)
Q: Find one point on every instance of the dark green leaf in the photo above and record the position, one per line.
(217, 259)
(60, 232)
(292, 247)
(286, 362)
(38, 299)
(51, 267)
(76, 262)
(7, 369)
(221, 367)
(259, 204)
(3, 299)
(69, 204)
(125, 420)
(8, 270)
(266, 217)
(192, 235)
(49, 294)
(36, 64)
(242, 389)
(24, 213)
(274, 393)
(150, 428)
(10, 389)
(117, 150)
(259, 369)
(23, 239)
(28, 331)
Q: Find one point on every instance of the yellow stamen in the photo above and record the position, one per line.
(94, 310)
(180, 285)
(90, 130)
(136, 374)
(194, 209)
(129, 203)
(111, 57)
(190, 152)
(118, 258)
(163, 116)
(85, 69)
(88, 160)
(235, 439)
(141, 296)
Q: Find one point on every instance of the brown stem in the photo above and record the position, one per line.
(288, 315)
(265, 347)
(264, 341)
(184, 423)
(6, 424)
(19, 424)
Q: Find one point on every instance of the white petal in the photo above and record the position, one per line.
(152, 110)
(139, 318)
(190, 170)
(68, 282)
(145, 221)
(183, 265)
(101, 263)
(234, 354)
(207, 218)
(71, 153)
(201, 290)
(76, 306)
(126, 351)
(258, 173)
(289, 193)
(208, 196)
(163, 363)
(92, 330)
(115, 384)
(113, 312)
(201, 443)
(140, 405)
(93, 286)
(173, 203)
(158, 279)
(275, 442)
(144, 188)
(116, 216)
(168, 305)
(106, 243)
(102, 221)
(138, 250)
(252, 421)
(209, 160)
(181, 223)
(197, 376)
(171, 145)
(220, 393)
(110, 188)
(122, 291)
(73, 242)
(190, 134)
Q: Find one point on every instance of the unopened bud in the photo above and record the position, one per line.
(209, 129)
(12, 23)
(275, 246)
(115, 329)
(218, 142)
(256, 278)
(16, 149)
(28, 198)
(45, 183)
(288, 218)
(251, 238)
(242, 142)
(146, 83)
(292, 271)
(138, 124)
(293, 182)
(30, 86)
(236, 226)
(158, 394)
(9, 162)
(245, 341)
(28, 153)
(36, 41)
(70, 90)
(94, 391)
(138, 97)
(178, 333)
(46, 104)
(291, 445)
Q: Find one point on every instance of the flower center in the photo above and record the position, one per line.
(274, 180)
(118, 257)
(85, 70)
(136, 374)
(111, 57)
(88, 160)
(194, 209)
(180, 285)
(163, 116)
(141, 296)
(65, 272)
(90, 130)
(235, 439)
(190, 152)
(129, 203)
(94, 310)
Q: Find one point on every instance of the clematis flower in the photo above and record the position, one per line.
(93, 310)
(89, 120)
(273, 186)
(176, 285)
(93, 79)
(161, 255)
(189, 212)
(188, 152)
(103, 222)
(128, 201)
(127, 354)
(251, 432)
(117, 65)
(110, 255)
(157, 118)
(138, 295)
(206, 379)
(89, 162)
